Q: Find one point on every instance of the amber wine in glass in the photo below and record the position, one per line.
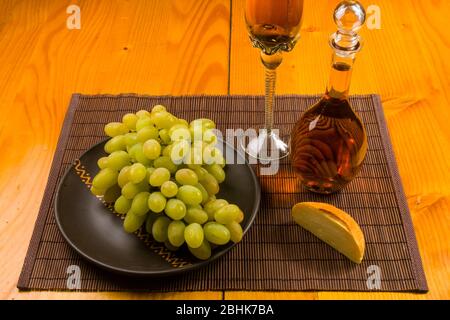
(274, 27)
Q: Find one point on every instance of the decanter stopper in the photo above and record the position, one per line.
(349, 17)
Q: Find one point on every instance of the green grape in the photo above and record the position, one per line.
(240, 217)
(158, 108)
(205, 195)
(200, 172)
(151, 218)
(102, 163)
(157, 202)
(169, 189)
(183, 122)
(170, 246)
(159, 176)
(134, 149)
(190, 195)
(159, 228)
(220, 160)
(195, 214)
(203, 252)
(150, 171)
(147, 133)
(122, 205)
(118, 159)
(227, 214)
(129, 120)
(111, 194)
(186, 177)
(141, 158)
(115, 144)
(210, 184)
(175, 233)
(216, 233)
(217, 172)
(97, 192)
(212, 206)
(143, 122)
(163, 119)
(133, 222)
(106, 178)
(151, 149)
(138, 172)
(143, 114)
(130, 139)
(130, 190)
(236, 232)
(124, 176)
(180, 125)
(167, 150)
(114, 129)
(165, 162)
(193, 166)
(193, 234)
(175, 209)
(139, 206)
(164, 136)
(204, 123)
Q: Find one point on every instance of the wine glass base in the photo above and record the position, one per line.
(266, 147)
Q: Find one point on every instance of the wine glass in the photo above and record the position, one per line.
(273, 26)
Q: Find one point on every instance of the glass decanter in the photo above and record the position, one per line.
(329, 142)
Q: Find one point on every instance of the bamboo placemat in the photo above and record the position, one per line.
(275, 255)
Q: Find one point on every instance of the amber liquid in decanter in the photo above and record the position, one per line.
(329, 142)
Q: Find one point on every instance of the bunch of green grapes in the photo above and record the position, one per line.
(164, 173)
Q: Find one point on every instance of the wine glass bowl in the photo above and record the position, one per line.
(274, 25)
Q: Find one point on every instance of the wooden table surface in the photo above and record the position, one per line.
(201, 47)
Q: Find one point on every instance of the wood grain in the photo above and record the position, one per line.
(181, 47)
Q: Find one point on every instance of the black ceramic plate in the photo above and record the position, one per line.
(92, 228)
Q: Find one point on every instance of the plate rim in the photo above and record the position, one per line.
(168, 272)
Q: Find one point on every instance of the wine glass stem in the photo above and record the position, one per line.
(271, 78)
(271, 63)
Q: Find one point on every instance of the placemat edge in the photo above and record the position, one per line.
(413, 248)
(210, 96)
(30, 256)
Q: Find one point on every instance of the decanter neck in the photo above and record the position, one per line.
(349, 17)
(340, 76)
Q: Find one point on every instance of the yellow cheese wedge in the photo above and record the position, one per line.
(333, 226)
